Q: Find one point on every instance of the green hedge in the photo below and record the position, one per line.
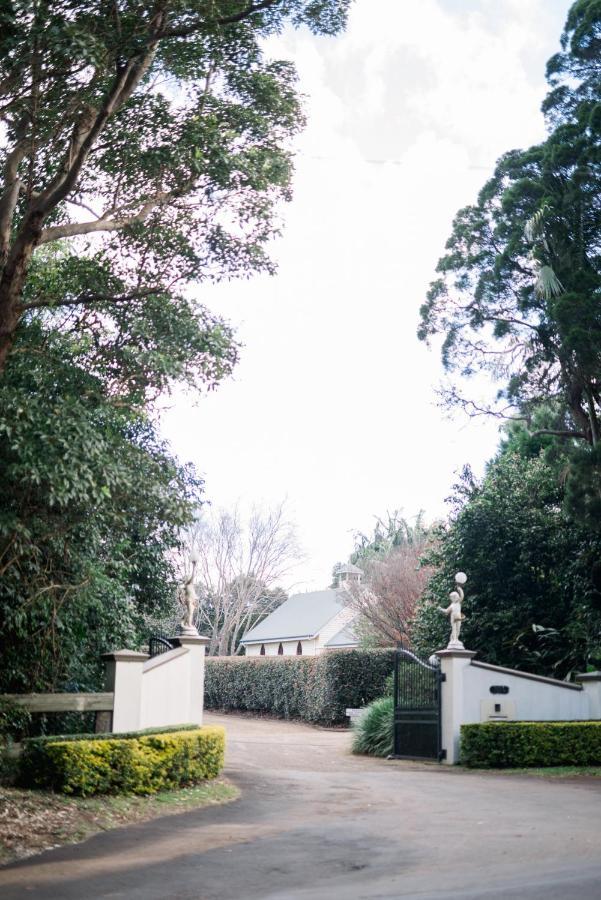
(115, 764)
(314, 688)
(502, 745)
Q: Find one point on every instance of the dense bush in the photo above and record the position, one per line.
(313, 688)
(124, 765)
(373, 731)
(521, 744)
(14, 720)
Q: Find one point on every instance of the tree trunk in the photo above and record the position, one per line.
(12, 283)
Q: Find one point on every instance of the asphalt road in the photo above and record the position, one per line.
(314, 822)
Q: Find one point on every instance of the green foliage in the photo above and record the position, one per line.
(162, 133)
(36, 744)
(388, 535)
(518, 295)
(373, 733)
(14, 720)
(315, 688)
(503, 745)
(124, 765)
(533, 598)
(91, 503)
(144, 150)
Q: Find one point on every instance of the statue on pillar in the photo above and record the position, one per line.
(190, 601)
(454, 612)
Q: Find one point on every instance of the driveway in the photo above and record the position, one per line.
(314, 822)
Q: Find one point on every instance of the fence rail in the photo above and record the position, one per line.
(44, 703)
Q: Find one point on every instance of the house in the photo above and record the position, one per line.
(308, 624)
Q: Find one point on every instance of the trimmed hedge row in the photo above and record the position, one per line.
(32, 743)
(314, 688)
(516, 745)
(123, 765)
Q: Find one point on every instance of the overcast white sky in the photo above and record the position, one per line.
(333, 403)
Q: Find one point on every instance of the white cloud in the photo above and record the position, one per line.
(333, 403)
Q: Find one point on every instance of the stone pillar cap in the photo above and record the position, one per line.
(588, 676)
(455, 652)
(125, 656)
(191, 639)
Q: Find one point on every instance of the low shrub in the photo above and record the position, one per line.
(372, 733)
(117, 764)
(314, 688)
(517, 745)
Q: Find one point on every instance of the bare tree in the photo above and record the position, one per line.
(240, 565)
(386, 600)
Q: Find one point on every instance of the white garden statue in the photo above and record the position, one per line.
(190, 602)
(454, 612)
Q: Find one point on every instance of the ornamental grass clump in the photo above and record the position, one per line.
(373, 732)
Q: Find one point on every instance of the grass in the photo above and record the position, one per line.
(556, 772)
(34, 821)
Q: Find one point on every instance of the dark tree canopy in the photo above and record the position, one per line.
(153, 133)
(145, 150)
(533, 596)
(518, 297)
(91, 504)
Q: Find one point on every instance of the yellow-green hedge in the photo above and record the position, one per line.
(141, 765)
(502, 745)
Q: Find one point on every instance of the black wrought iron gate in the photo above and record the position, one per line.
(417, 733)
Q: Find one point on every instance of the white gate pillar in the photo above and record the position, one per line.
(591, 683)
(123, 676)
(196, 646)
(453, 664)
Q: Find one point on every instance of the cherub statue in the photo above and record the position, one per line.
(187, 625)
(454, 611)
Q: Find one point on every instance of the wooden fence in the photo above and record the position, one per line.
(102, 704)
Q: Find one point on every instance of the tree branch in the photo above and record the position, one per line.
(225, 20)
(564, 434)
(72, 229)
(88, 299)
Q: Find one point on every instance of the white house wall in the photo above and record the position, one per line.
(332, 628)
(289, 647)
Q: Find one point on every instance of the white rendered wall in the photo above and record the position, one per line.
(529, 699)
(166, 689)
(466, 697)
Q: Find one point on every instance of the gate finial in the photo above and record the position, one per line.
(454, 612)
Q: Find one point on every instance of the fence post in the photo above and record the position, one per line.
(195, 644)
(453, 664)
(123, 676)
(591, 683)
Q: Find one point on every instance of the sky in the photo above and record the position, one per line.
(333, 406)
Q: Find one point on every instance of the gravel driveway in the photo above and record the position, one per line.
(315, 822)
